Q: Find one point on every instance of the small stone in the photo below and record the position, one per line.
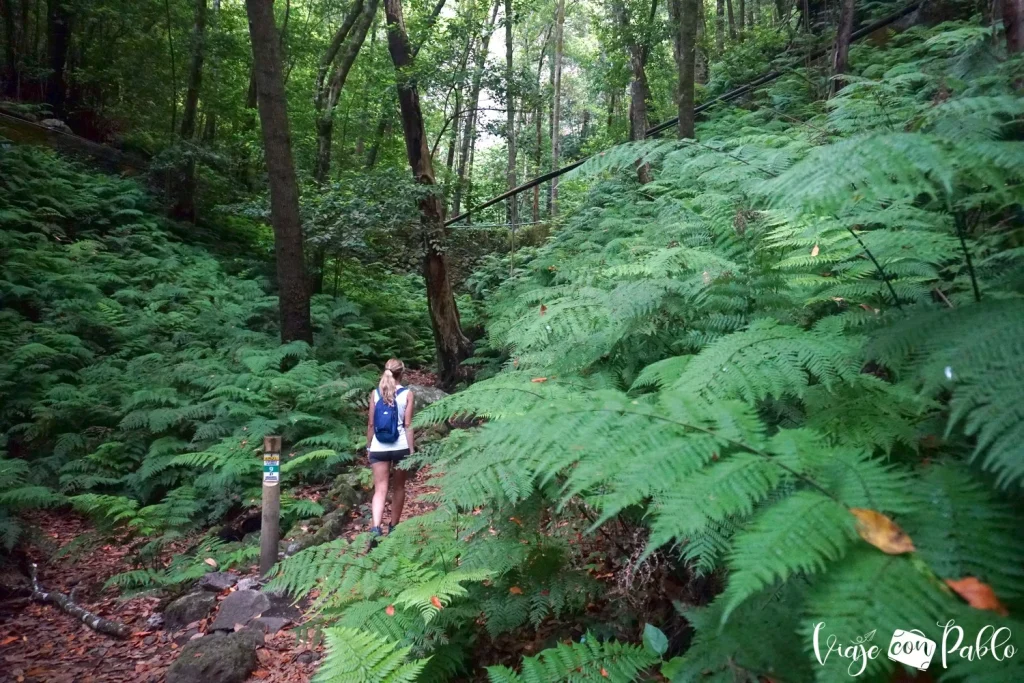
(271, 625)
(149, 640)
(307, 657)
(187, 635)
(281, 607)
(154, 621)
(217, 581)
(187, 609)
(248, 584)
(239, 607)
(251, 635)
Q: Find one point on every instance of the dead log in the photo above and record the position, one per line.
(66, 604)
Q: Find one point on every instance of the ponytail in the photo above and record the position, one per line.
(393, 370)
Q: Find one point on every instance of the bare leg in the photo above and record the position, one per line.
(398, 495)
(380, 490)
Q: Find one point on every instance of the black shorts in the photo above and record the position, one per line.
(388, 456)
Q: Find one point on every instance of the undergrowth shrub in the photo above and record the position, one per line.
(795, 356)
(140, 373)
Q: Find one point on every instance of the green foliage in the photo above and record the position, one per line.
(590, 660)
(782, 326)
(358, 657)
(815, 307)
(426, 584)
(141, 374)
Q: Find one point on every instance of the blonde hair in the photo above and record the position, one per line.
(393, 370)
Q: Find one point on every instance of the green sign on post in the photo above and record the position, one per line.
(271, 468)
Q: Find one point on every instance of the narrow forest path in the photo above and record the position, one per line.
(40, 643)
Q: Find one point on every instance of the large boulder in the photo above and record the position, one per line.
(347, 491)
(56, 124)
(331, 526)
(188, 608)
(282, 607)
(424, 395)
(239, 607)
(217, 658)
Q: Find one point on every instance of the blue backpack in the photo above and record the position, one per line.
(385, 419)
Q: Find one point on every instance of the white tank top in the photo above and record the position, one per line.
(402, 443)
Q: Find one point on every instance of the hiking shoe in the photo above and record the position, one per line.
(391, 528)
(375, 533)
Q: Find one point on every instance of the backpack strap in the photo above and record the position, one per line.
(400, 390)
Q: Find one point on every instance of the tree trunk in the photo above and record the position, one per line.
(327, 101)
(510, 116)
(684, 19)
(549, 195)
(1013, 24)
(284, 187)
(58, 40)
(538, 116)
(469, 126)
(743, 18)
(11, 41)
(323, 117)
(195, 73)
(700, 66)
(185, 174)
(457, 113)
(720, 27)
(335, 46)
(732, 20)
(840, 60)
(639, 92)
(452, 345)
(251, 91)
(383, 128)
(453, 136)
(538, 122)
(210, 100)
(556, 104)
(209, 128)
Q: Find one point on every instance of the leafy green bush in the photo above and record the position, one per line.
(795, 356)
(140, 373)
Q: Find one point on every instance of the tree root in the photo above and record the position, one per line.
(66, 604)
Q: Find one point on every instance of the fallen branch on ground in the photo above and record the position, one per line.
(96, 623)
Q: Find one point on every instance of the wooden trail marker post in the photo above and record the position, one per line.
(270, 527)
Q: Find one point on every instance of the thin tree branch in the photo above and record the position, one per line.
(66, 604)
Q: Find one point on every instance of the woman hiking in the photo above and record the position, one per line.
(389, 439)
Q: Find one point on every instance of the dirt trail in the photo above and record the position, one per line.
(41, 643)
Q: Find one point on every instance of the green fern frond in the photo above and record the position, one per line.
(591, 660)
(355, 656)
